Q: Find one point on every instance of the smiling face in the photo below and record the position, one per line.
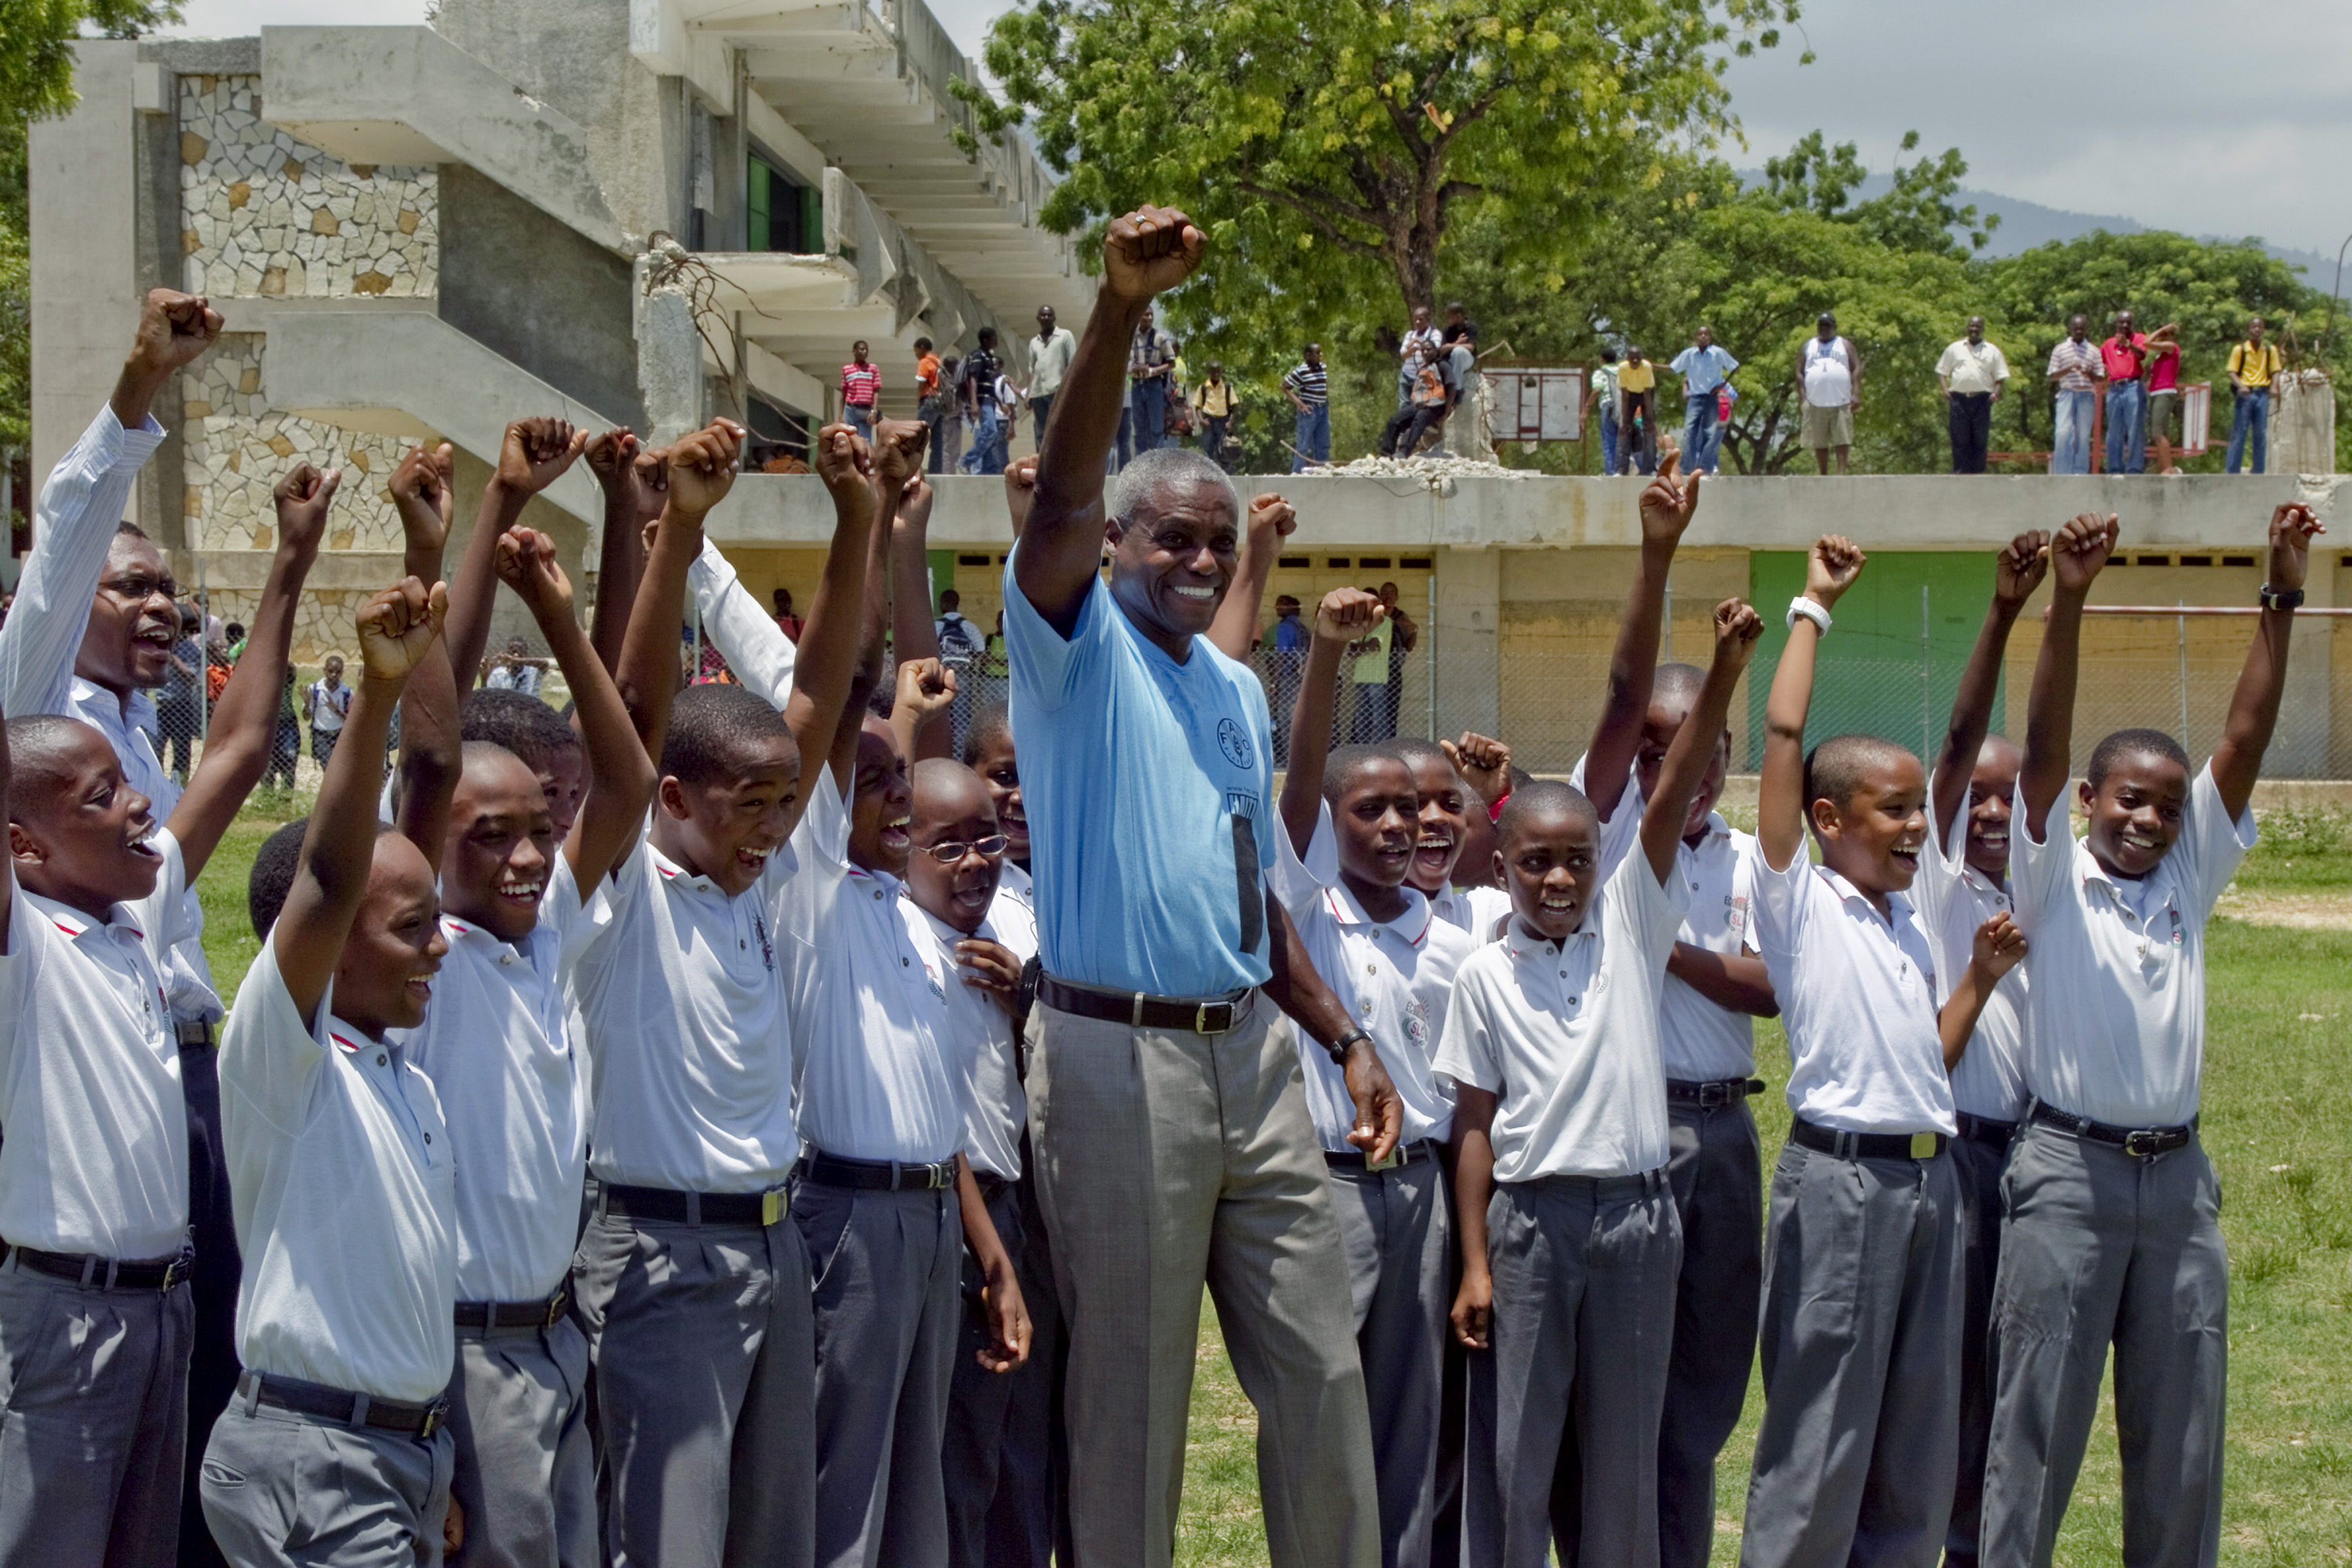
(565, 782)
(385, 977)
(1975, 329)
(501, 844)
(1442, 811)
(882, 809)
(1992, 786)
(952, 807)
(1872, 838)
(133, 622)
(727, 826)
(1667, 711)
(1375, 813)
(995, 765)
(80, 836)
(1173, 560)
(1551, 861)
(2135, 810)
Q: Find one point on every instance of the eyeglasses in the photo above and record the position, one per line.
(989, 848)
(139, 589)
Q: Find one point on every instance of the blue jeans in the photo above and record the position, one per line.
(1040, 410)
(2069, 447)
(1148, 399)
(859, 419)
(1312, 437)
(1608, 442)
(987, 454)
(1702, 434)
(2126, 427)
(2252, 416)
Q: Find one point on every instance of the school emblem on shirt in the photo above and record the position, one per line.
(1235, 741)
(1734, 906)
(1416, 1024)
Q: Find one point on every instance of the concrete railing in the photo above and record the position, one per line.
(887, 257)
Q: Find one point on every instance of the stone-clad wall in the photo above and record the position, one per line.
(263, 214)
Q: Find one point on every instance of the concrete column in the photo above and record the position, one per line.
(2300, 747)
(84, 264)
(1469, 617)
(669, 361)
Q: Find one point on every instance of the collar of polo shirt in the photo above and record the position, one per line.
(677, 875)
(1412, 926)
(1898, 905)
(1520, 944)
(77, 923)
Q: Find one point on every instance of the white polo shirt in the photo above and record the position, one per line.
(1566, 1034)
(1953, 899)
(95, 1154)
(1394, 977)
(1703, 1041)
(1857, 993)
(340, 1166)
(1478, 913)
(689, 1053)
(1015, 886)
(868, 992)
(497, 1044)
(2115, 1011)
(976, 1035)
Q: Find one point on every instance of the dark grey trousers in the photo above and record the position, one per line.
(1394, 1227)
(526, 1476)
(93, 1414)
(1031, 1514)
(706, 1362)
(889, 1319)
(1563, 1410)
(1860, 1347)
(1978, 1166)
(996, 1443)
(1716, 1174)
(282, 1489)
(2100, 1248)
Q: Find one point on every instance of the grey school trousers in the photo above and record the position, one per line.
(281, 1489)
(989, 1455)
(888, 1320)
(1563, 1440)
(1861, 1346)
(1393, 1225)
(1166, 1161)
(706, 1389)
(93, 1414)
(526, 1476)
(2101, 1247)
(1716, 1175)
(1978, 1166)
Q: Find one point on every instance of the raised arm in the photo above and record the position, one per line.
(1830, 570)
(430, 742)
(1737, 627)
(2253, 707)
(1667, 504)
(2076, 553)
(1345, 614)
(634, 481)
(1146, 253)
(926, 691)
(395, 629)
(2017, 570)
(1998, 948)
(701, 470)
(830, 634)
(896, 454)
(533, 455)
(1271, 519)
(913, 637)
(621, 777)
(245, 720)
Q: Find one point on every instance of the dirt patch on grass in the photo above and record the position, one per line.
(2301, 911)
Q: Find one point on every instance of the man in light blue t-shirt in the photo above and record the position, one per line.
(1704, 369)
(1173, 1142)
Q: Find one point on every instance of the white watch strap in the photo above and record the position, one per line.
(1817, 614)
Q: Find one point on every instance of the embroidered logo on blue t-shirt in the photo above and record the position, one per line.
(1235, 741)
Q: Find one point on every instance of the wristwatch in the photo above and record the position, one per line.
(1811, 610)
(2273, 599)
(1339, 1048)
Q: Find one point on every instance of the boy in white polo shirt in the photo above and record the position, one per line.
(1860, 1344)
(2111, 1234)
(1569, 1238)
(695, 1287)
(498, 1044)
(95, 1317)
(1963, 882)
(1351, 819)
(333, 1448)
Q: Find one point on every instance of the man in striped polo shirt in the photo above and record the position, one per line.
(1308, 388)
(861, 383)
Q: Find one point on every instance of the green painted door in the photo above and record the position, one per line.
(1890, 667)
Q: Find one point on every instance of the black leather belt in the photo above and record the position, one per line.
(197, 1036)
(343, 1407)
(492, 1316)
(1419, 1151)
(2139, 1143)
(1721, 1091)
(1986, 1130)
(875, 1175)
(104, 1273)
(1866, 1145)
(1199, 1015)
(692, 1208)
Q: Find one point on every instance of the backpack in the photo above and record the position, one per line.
(959, 641)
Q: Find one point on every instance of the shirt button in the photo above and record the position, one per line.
(379, 1061)
(428, 1137)
(902, 963)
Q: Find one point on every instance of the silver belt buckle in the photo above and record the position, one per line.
(1201, 1024)
(2143, 1144)
(1397, 1158)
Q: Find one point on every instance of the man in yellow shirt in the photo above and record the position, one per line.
(1637, 418)
(2252, 365)
(1213, 400)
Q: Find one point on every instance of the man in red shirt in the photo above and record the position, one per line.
(2163, 391)
(861, 383)
(2125, 357)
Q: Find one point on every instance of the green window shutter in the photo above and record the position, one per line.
(812, 219)
(756, 205)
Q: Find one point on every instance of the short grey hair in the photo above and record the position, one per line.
(1150, 473)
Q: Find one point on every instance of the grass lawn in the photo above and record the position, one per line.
(2278, 1125)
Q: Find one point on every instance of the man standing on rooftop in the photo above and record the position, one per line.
(2124, 357)
(1972, 373)
(1171, 1135)
(2080, 373)
(1704, 369)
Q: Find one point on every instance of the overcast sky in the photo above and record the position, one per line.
(2178, 113)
